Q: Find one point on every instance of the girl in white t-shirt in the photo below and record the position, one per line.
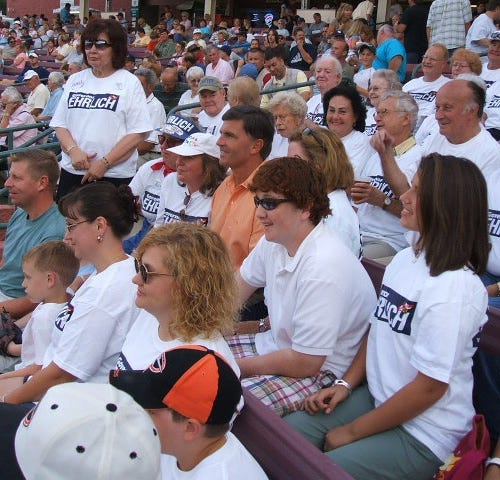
(417, 359)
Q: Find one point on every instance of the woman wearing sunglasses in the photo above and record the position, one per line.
(186, 288)
(417, 357)
(186, 195)
(102, 115)
(318, 294)
(89, 332)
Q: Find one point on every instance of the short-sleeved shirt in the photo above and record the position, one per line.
(447, 19)
(386, 51)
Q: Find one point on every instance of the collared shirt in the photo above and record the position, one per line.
(21, 116)
(234, 218)
(447, 19)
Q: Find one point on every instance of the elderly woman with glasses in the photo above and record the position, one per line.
(193, 77)
(186, 196)
(289, 110)
(102, 116)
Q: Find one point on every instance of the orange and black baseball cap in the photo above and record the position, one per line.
(192, 380)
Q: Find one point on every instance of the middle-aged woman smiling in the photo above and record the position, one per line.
(289, 111)
(345, 115)
(417, 358)
(102, 115)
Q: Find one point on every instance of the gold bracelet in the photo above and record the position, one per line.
(68, 150)
(106, 162)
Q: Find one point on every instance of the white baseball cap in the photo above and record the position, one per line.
(196, 144)
(85, 430)
(30, 74)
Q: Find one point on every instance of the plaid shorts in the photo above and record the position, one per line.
(282, 394)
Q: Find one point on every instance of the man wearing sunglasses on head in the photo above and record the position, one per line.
(318, 295)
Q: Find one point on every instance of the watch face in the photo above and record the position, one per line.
(387, 201)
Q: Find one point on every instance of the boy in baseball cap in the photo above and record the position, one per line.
(91, 431)
(192, 394)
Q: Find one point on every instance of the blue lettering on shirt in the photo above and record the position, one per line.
(494, 102)
(122, 363)
(378, 181)
(93, 101)
(396, 310)
(64, 316)
(317, 118)
(494, 222)
(150, 202)
(424, 97)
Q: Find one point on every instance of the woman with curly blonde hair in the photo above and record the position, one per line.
(186, 287)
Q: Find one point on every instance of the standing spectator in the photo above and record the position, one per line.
(15, 114)
(390, 52)
(364, 10)
(169, 90)
(149, 148)
(413, 25)
(185, 21)
(302, 51)
(65, 13)
(343, 19)
(217, 67)
(448, 22)
(122, 21)
(102, 115)
(484, 25)
(55, 83)
(39, 93)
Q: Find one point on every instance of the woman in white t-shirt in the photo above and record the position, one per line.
(186, 195)
(326, 151)
(417, 359)
(345, 115)
(187, 289)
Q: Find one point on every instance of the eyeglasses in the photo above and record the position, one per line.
(182, 213)
(98, 44)
(71, 226)
(460, 65)
(171, 141)
(145, 273)
(384, 112)
(269, 203)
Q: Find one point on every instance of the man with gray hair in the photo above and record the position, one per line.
(391, 52)
(149, 148)
(328, 75)
(55, 83)
(388, 174)
(15, 114)
(459, 109)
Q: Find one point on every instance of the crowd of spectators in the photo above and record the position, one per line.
(257, 205)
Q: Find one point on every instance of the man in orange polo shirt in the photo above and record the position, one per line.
(245, 142)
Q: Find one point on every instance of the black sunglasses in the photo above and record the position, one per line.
(269, 203)
(145, 273)
(99, 44)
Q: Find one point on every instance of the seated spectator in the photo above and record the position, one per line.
(193, 78)
(339, 50)
(32, 182)
(302, 51)
(202, 445)
(345, 115)
(386, 175)
(315, 30)
(213, 104)
(147, 182)
(21, 55)
(491, 69)
(244, 90)
(49, 269)
(15, 113)
(318, 295)
(197, 40)
(149, 148)
(325, 150)
(9, 50)
(364, 76)
(63, 49)
(141, 39)
(39, 93)
(241, 46)
(477, 38)
(282, 75)
(419, 410)
(169, 90)
(424, 89)
(186, 195)
(289, 111)
(55, 83)
(343, 18)
(98, 216)
(115, 434)
(188, 294)
(34, 64)
(218, 67)
(75, 56)
(165, 47)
